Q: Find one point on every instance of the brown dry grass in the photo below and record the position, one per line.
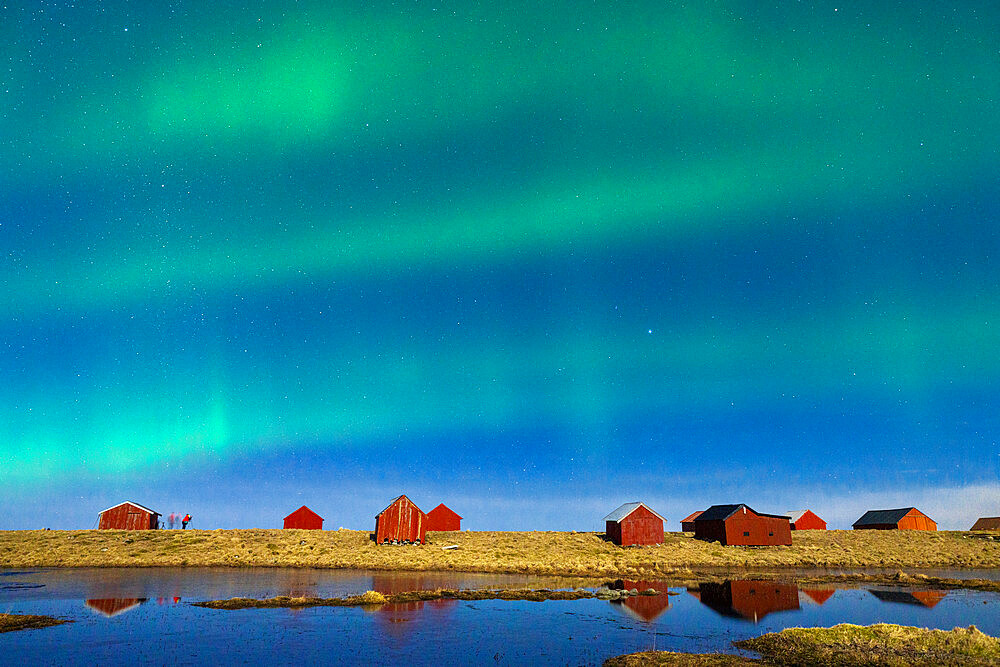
(549, 553)
(12, 622)
(374, 598)
(845, 645)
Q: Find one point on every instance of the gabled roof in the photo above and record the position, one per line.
(872, 517)
(692, 516)
(306, 509)
(717, 512)
(796, 515)
(129, 502)
(627, 509)
(396, 500)
(444, 508)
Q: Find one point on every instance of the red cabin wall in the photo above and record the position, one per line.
(127, 517)
(809, 521)
(763, 530)
(401, 521)
(304, 519)
(639, 527)
(443, 518)
(916, 520)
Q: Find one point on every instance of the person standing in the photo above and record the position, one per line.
(185, 521)
(172, 520)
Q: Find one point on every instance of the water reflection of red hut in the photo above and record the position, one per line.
(646, 607)
(752, 600)
(819, 595)
(923, 598)
(113, 606)
(399, 617)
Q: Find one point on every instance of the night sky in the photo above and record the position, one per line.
(532, 260)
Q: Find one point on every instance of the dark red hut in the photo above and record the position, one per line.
(304, 518)
(634, 523)
(443, 518)
(905, 518)
(401, 521)
(806, 520)
(128, 516)
(687, 523)
(743, 526)
(987, 523)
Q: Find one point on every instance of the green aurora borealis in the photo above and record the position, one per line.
(330, 254)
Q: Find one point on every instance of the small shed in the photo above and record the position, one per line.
(401, 521)
(806, 520)
(304, 518)
(128, 516)
(443, 517)
(987, 523)
(634, 523)
(904, 518)
(687, 523)
(741, 525)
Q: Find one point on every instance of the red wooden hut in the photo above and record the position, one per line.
(304, 518)
(749, 599)
(634, 523)
(987, 523)
(687, 523)
(443, 518)
(128, 516)
(905, 518)
(742, 525)
(806, 520)
(401, 521)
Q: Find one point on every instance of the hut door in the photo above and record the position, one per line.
(134, 521)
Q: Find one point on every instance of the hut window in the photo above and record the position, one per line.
(746, 533)
(770, 534)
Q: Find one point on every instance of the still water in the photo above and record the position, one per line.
(144, 616)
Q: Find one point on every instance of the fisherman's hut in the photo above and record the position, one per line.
(687, 523)
(905, 518)
(401, 522)
(304, 518)
(443, 518)
(806, 520)
(741, 525)
(987, 523)
(634, 523)
(128, 516)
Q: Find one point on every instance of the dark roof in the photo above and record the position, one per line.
(717, 512)
(873, 517)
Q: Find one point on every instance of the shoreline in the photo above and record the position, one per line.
(568, 554)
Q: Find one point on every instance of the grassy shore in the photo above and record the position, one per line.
(547, 553)
(845, 645)
(372, 598)
(12, 622)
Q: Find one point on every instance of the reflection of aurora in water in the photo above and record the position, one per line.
(494, 251)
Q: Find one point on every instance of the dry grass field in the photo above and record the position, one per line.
(845, 645)
(548, 553)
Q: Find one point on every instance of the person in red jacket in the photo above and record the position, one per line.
(185, 521)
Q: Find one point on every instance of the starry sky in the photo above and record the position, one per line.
(532, 260)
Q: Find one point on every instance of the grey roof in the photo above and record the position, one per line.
(717, 512)
(872, 517)
(129, 502)
(796, 515)
(627, 509)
